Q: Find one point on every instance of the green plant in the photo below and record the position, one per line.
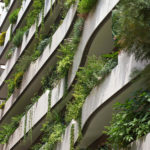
(86, 5)
(14, 15)
(52, 132)
(131, 25)
(6, 2)
(87, 78)
(10, 52)
(68, 49)
(2, 38)
(130, 120)
(17, 39)
(11, 87)
(34, 13)
(18, 78)
(40, 48)
(2, 105)
(55, 136)
(8, 129)
(14, 83)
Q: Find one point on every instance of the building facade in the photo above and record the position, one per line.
(61, 73)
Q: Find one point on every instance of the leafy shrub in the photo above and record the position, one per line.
(87, 78)
(6, 2)
(131, 25)
(52, 132)
(18, 79)
(68, 49)
(2, 105)
(86, 5)
(130, 120)
(2, 38)
(11, 86)
(14, 15)
(14, 82)
(10, 52)
(17, 39)
(8, 129)
(40, 48)
(33, 14)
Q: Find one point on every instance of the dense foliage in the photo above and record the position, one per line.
(34, 13)
(14, 16)
(17, 39)
(2, 38)
(130, 121)
(14, 83)
(52, 129)
(131, 27)
(8, 129)
(10, 52)
(6, 2)
(69, 48)
(86, 5)
(87, 78)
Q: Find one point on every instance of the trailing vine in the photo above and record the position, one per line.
(72, 138)
(87, 78)
(8, 129)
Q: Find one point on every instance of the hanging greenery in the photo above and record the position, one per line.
(87, 78)
(130, 121)
(14, 16)
(52, 129)
(69, 48)
(37, 5)
(85, 6)
(2, 105)
(17, 39)
(131, 27)
(8, 129)
(6, 2)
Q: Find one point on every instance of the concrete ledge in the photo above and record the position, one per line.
(117, 86)
(141, 144)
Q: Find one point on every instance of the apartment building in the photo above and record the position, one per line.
(61, 73)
